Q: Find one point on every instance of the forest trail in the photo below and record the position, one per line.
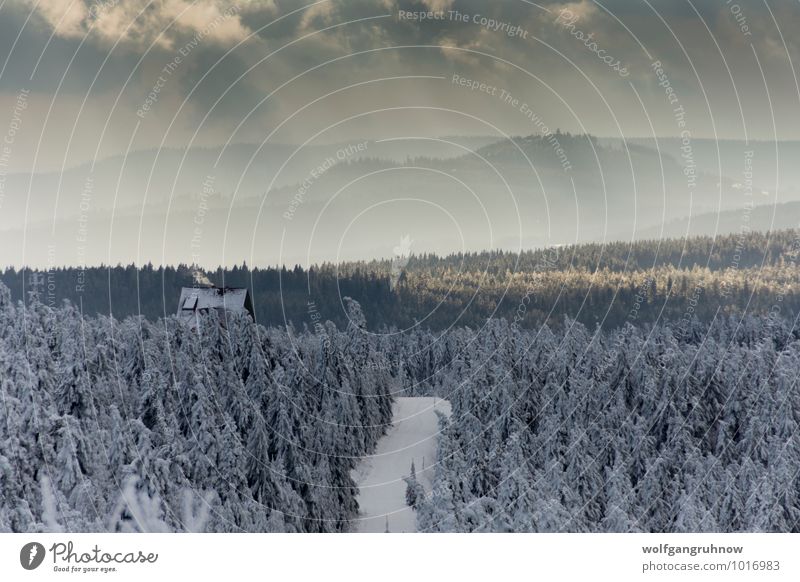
(382, 491)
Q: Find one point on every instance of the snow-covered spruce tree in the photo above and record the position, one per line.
(414, 489)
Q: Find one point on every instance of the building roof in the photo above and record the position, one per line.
(195, 300)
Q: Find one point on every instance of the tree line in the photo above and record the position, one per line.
(592, 283)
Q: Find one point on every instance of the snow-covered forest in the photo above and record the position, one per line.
(147, 425)
(133, 425)
(666, 429)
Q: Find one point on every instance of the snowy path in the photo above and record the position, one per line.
(380, 476)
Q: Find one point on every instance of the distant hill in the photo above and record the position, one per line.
(505, 195)
(339, 203)
(122, 182)
(774, 164)
(759, 218)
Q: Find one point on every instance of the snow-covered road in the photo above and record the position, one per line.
(380, 476)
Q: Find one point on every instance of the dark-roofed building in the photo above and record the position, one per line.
(197, 300)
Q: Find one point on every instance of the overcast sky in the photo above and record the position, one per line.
(217, 71)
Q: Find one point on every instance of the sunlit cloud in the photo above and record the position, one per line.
(141, 23)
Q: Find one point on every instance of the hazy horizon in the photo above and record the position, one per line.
(215, 132)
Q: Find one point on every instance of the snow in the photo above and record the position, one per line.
(382, 495)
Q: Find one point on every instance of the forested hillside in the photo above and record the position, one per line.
(592, 283)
